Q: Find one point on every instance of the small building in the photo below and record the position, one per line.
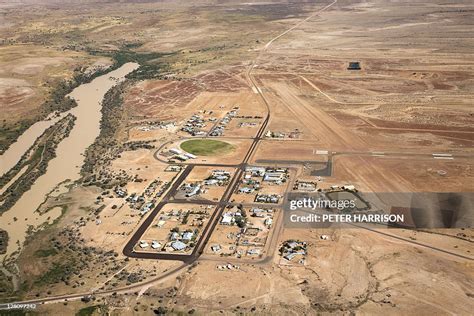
(227, 219)
(190, 156)
(216, 248)
(187, 236)
(174, 236)
(253, 252)
(143, 244)
(354, 65)
(155, 244)
(348, 187)
(181, 157)
(211, 182)
(268, 222)
(258, 212)
(246, 190)
(176, 151)
(178, 245)
(256, 171)
(194, 191)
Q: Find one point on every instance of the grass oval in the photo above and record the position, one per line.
(206, 147)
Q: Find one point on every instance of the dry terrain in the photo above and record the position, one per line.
(402, 123)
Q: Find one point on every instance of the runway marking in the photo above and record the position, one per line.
(443, 157)
(320, 152)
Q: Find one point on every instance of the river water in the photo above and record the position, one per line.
(69, 158)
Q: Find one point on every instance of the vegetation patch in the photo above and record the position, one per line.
(151, 64)
(206, 147)
(42, 253)
(89, 310)
(37, 159)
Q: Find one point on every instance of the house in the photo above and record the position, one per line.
(174, 236)
(348, 187)
(258, 212)
(256, 171)
(227, 219)
(181, 157)
(253, 252)
(187, 236)
(178, 245)
(190, 156)
(216, 248)
(176, 151)
(155, 244)
(246, 190)
(291, 255)
(173, 168)
(211, 182)
(268, 222)
(194, 191)
(275, 177)
(306, 186)
(216, 173)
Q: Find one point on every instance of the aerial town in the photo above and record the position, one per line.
(236, 158)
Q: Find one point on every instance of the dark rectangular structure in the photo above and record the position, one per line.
(354, 65)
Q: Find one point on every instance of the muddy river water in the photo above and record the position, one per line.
(65, 167)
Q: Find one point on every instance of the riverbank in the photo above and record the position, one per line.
(35, 160)
(65, 167)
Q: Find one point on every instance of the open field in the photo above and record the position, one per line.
(206, 147)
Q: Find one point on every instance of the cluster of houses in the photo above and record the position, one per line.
(139, 201)
(292, 249)
(191, 189)
(268, 174)
(179, 241)
(267, 198)
(173, 168)
(135, 200)
(346, 187)
(152, 187)
(120, 191)
(234, 216)
(227, 267)
(263, 213)
(157, 125)
(181, 155)
(275, 175)
(218, 177)
(193, 125)
(247, 124)
(154, 245)
(271, 175)
(307, 186)
(219, 129)
(275, 134)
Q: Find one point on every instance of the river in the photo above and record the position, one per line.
(69, 158)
